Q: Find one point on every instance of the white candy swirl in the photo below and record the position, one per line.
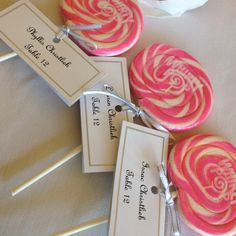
(121, 20)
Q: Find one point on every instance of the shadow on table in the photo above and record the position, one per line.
(33, 156)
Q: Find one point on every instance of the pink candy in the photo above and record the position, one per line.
(203, 167)
(171, 86)
(121, 20)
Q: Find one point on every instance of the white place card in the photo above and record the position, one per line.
(138, 209)
(66, 68)
(100, 122)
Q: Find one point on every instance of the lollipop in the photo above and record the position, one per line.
(121, 21)
(171, 86)
(203, 167)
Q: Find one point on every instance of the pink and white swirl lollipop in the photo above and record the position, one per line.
(171, 86)
(121, 21)
(203, 167)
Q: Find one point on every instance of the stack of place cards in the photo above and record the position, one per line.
(137, 206)
(66, 68)
(100, 120)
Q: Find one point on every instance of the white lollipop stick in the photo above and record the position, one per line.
(4, 57)
(84, 226)
(66, 158)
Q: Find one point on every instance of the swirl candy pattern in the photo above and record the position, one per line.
(171, 86)
(203, 167)
(121, 20)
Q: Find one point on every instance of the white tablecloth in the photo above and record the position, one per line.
(37, 128)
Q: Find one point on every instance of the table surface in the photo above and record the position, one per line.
(37, 128)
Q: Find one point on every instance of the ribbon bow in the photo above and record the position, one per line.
(66, 31)
(169, 198)
(137, 111)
